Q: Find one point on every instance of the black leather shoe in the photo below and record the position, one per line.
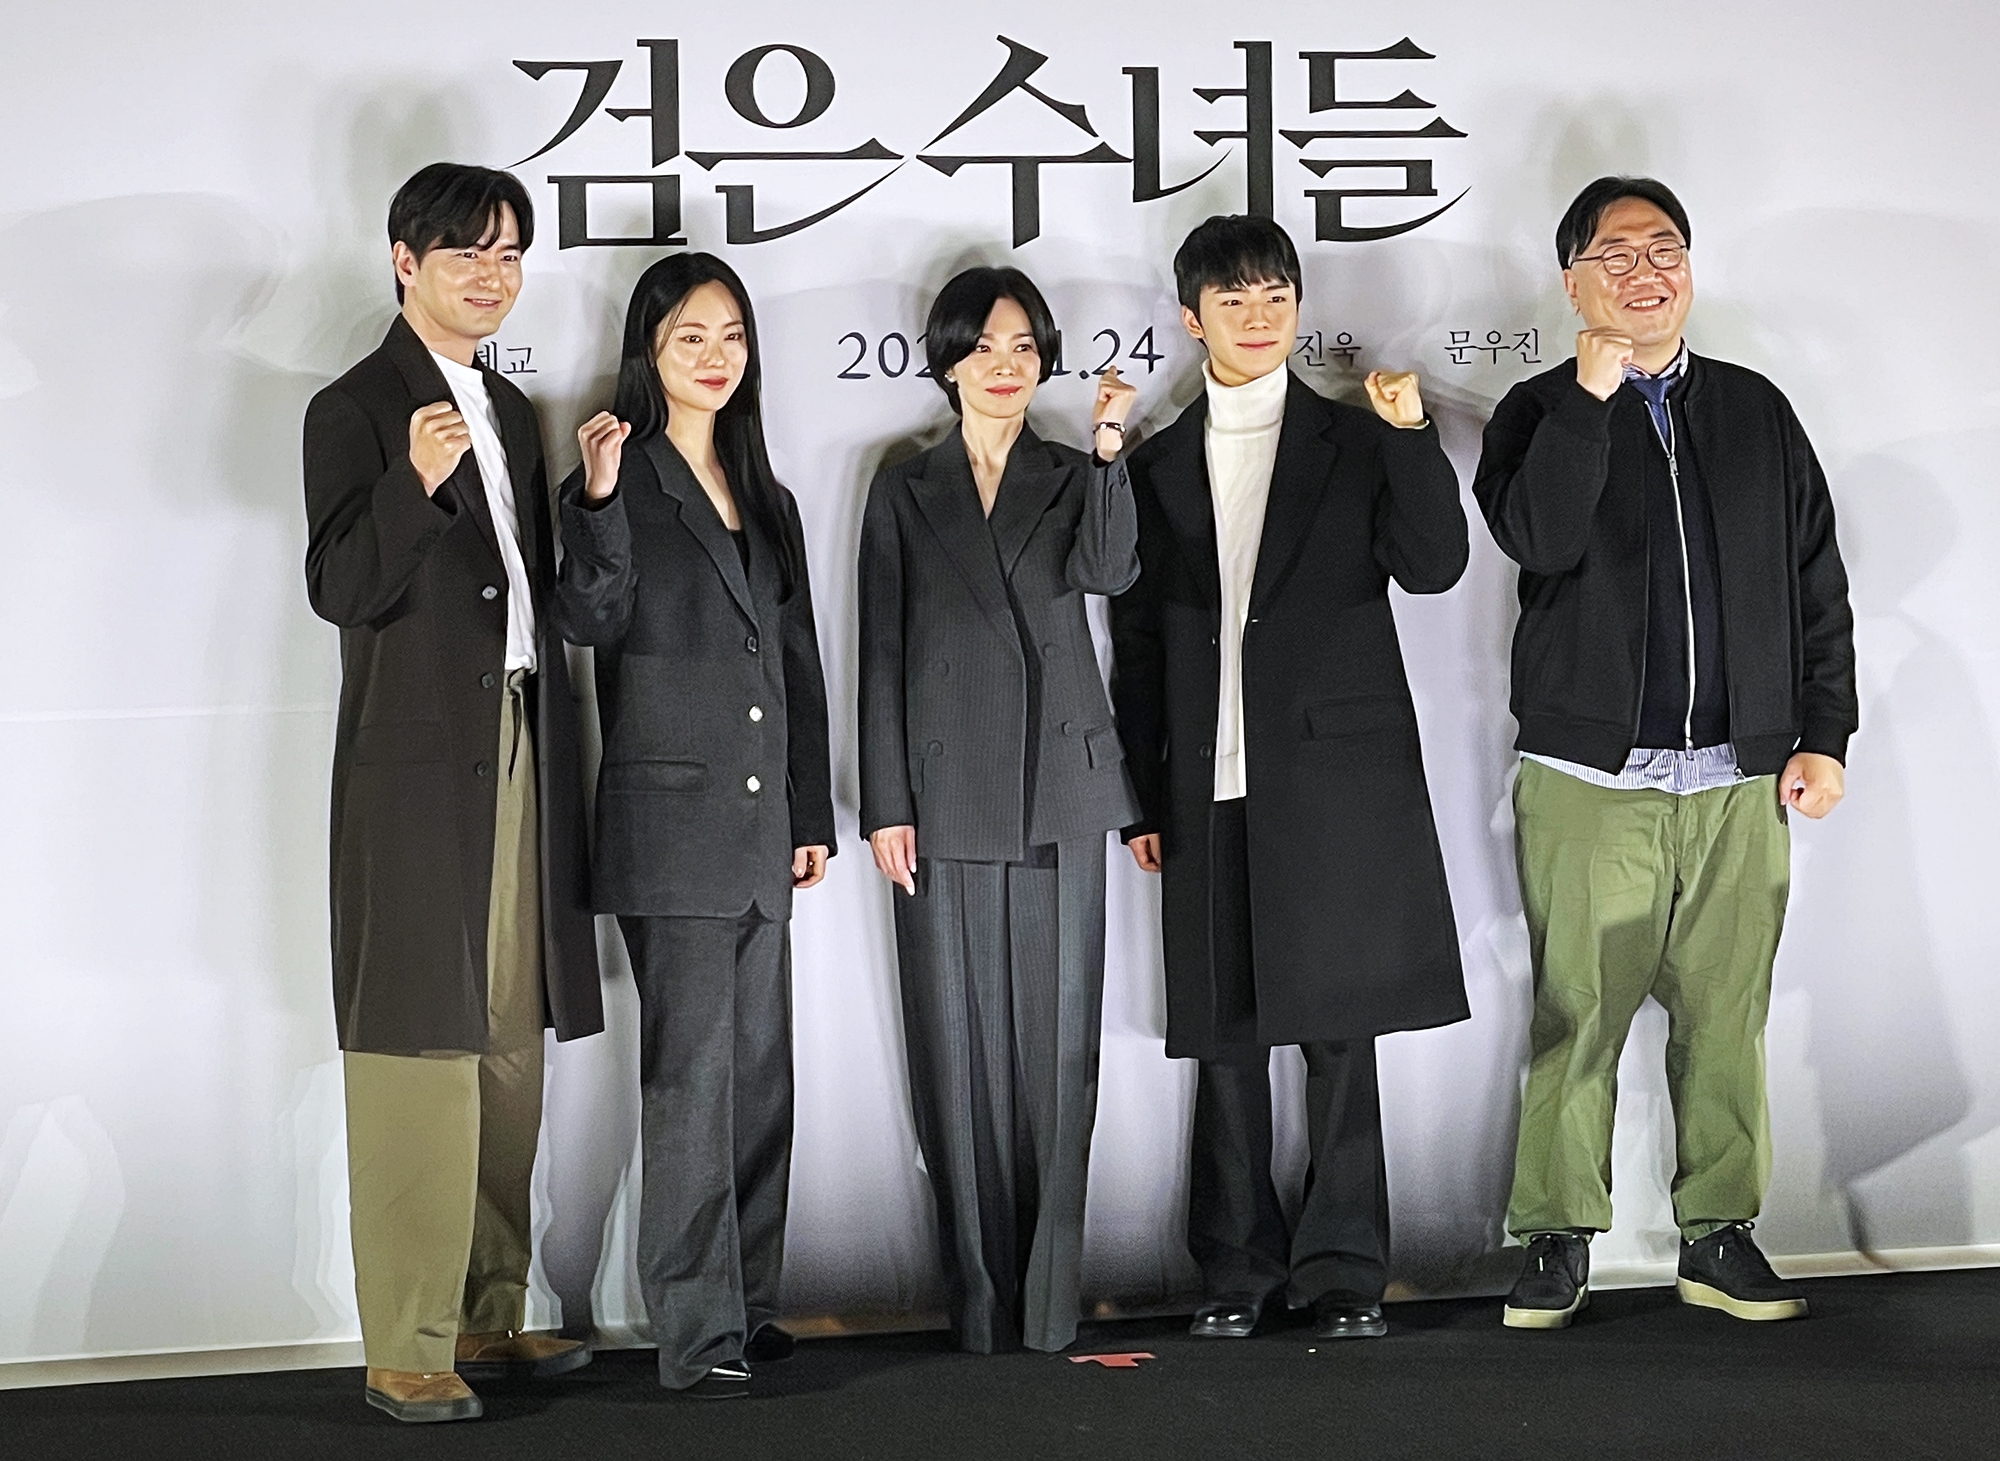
(1554, 1283)
(770, 1345)
(1340, 1315)
(1727, 1271)
(1227, 1319)
(722, 1382)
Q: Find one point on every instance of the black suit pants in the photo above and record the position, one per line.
(1237, 1231)
(715, 1128)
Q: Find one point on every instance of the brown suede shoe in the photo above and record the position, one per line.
(508, 1354)
(422, 1398)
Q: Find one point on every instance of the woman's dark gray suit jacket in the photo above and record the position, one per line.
(951, 602)
(709, 694)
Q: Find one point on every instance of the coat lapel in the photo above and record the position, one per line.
(1032, 481)
(700, 518)
(1180, 481)
(427, 385)
(1306, 453)
(949, 501)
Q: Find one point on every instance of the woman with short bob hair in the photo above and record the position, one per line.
(990, 772)
(686, 572)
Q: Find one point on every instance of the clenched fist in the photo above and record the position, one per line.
(1813, 783)
(1395, 397)
(438, 438)
(602, 441)
(1602, 354)
(1113, 403)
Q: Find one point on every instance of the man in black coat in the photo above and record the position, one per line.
(1273, 747)
(461, 916)
(1683, 679)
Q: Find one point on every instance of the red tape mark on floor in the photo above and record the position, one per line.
(1111, 1361)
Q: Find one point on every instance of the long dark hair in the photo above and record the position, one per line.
(739, 425)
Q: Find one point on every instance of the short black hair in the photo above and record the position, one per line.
(958, 318)
(1579, 224)
(1234, 251)
(453, 205)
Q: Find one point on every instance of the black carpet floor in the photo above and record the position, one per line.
(1887, 1368)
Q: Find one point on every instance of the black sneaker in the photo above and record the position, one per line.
(1727, 1271)
(1554, 1283)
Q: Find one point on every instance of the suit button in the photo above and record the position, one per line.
(489, 592)
(754, 784)
(756, 712)
(751, 644)
(1206, 752)
(486, 682)
(935, 748)
(479, 767)
(1069, 728)
(1048, 651)
(943, 667)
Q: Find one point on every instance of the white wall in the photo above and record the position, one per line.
(191, 204)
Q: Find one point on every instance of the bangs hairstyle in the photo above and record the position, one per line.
(1579, 224)
(739, 426)
(958, 318)
(454, 205)
(1235, 251)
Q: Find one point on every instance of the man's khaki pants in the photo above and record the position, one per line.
(1631, 893)
(441, 1146)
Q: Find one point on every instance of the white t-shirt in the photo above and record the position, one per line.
(468, 388)
(1241, 443)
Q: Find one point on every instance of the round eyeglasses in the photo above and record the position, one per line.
(1664, 254)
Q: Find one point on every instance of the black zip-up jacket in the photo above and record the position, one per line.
(1564, 480)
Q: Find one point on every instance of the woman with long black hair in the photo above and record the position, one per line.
(990, 772)
(686, 572)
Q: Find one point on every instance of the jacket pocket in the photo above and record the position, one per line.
(1358, 716)
(682, 777)
(1103, 748)
(399, 743)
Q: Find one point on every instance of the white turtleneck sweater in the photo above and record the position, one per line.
(1241, 444)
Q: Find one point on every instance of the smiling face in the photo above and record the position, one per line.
(998, 378)
(461, 295)
(1649, 304)
(1249, 332)
(701, 349)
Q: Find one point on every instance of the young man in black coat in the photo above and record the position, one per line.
(461, 916)
(1272, 744)
(1683, 678)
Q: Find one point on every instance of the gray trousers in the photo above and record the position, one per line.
(715, 1130)
(1002, 971)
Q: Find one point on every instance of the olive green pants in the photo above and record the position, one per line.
(441, 1146)
(1631, 893)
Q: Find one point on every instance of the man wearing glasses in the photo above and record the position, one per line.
(1683, 677)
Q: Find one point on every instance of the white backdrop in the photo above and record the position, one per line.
(191, 206)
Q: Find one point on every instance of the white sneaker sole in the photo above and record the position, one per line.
(1707, 1296)
(1515, 1318)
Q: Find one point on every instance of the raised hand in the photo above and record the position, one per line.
(602, 441)
(438, 438)
(1108, 411)
(1602, 354)
(1395, 397)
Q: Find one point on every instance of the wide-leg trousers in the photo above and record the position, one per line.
(1002, 972)
(441, 1146)
(1631, 893)
(715, 1131)
(1237, 1232)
